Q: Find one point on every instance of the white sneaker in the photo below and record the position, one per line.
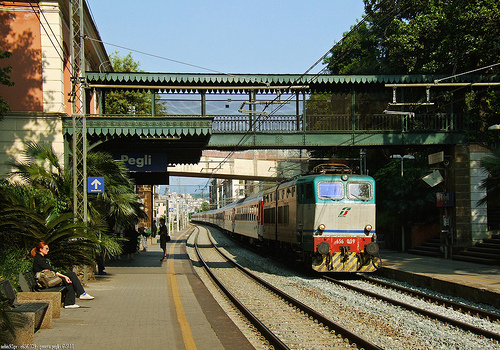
(74, 306)
(86, 296)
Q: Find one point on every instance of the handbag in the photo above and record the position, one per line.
(168, 238)
(48, 279)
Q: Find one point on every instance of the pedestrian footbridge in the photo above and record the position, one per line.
(192, 112)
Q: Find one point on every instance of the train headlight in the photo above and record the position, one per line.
(321, 228)
(344, 177)
(368, 229)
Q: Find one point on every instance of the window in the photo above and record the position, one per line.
(330, 190)
(269, 215)
(286, 214)
(309, 191)
(359, 191)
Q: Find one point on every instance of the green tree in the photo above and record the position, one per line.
(419, 37)
(4, 80)
(358, 53)
(129, 102)
(403, 200)
(205, 206)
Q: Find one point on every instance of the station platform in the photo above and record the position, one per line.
(479, 283)
(148, 304)
(145, 304)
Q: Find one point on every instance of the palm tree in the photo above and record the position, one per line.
(491, 165)
(41, 169)
(30, 216)
(119, 204)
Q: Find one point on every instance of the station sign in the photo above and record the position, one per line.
(436, 157)
(143, 161)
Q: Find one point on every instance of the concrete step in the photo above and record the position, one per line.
(474, 259)
(425, 252)
(481, 255)
(485, 250)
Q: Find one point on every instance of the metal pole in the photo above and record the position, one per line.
(153, 103)
(169, 203)
(402, 225)
(353, 113)
(203, 103)
(177, 212)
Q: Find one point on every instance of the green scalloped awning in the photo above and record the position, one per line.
(263, 83)
(144, 126)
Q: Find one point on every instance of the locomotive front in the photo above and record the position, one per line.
(342, 223)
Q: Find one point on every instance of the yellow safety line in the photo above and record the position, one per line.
(187, 335)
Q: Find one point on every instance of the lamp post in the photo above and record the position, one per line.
(399, 156)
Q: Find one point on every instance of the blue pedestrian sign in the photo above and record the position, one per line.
(95, 185)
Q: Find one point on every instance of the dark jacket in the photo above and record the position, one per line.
(41, 263)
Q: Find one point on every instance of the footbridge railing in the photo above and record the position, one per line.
(339, 123)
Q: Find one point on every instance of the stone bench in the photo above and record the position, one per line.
(30, 291)
(29, 316)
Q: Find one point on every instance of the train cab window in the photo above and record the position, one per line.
(330, 190)
(359, 191)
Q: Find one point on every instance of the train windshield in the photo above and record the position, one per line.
(330, 190)
(360, 191)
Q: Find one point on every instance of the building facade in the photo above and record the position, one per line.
(37, 33)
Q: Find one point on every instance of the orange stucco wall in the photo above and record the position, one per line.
(20, 35)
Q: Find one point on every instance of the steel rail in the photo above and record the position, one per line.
(266, 332)
(352, 337)
(445, 302)
(421, 311)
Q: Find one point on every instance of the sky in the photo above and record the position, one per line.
(225, 36)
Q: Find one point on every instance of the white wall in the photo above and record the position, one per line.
(19, 129)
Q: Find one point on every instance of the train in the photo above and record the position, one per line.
(324, 220)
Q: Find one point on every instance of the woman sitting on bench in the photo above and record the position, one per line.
(70, 280)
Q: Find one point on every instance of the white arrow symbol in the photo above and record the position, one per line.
(95, 183)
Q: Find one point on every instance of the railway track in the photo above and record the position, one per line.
(285, 322)
(388, 326)
(450, 304)
(423, 309)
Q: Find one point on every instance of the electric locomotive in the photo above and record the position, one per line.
(325, 220)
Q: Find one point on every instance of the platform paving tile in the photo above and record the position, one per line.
(132, 309)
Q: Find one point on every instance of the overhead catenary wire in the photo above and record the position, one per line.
(169, 59)
(314, 77)
(259, 118)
